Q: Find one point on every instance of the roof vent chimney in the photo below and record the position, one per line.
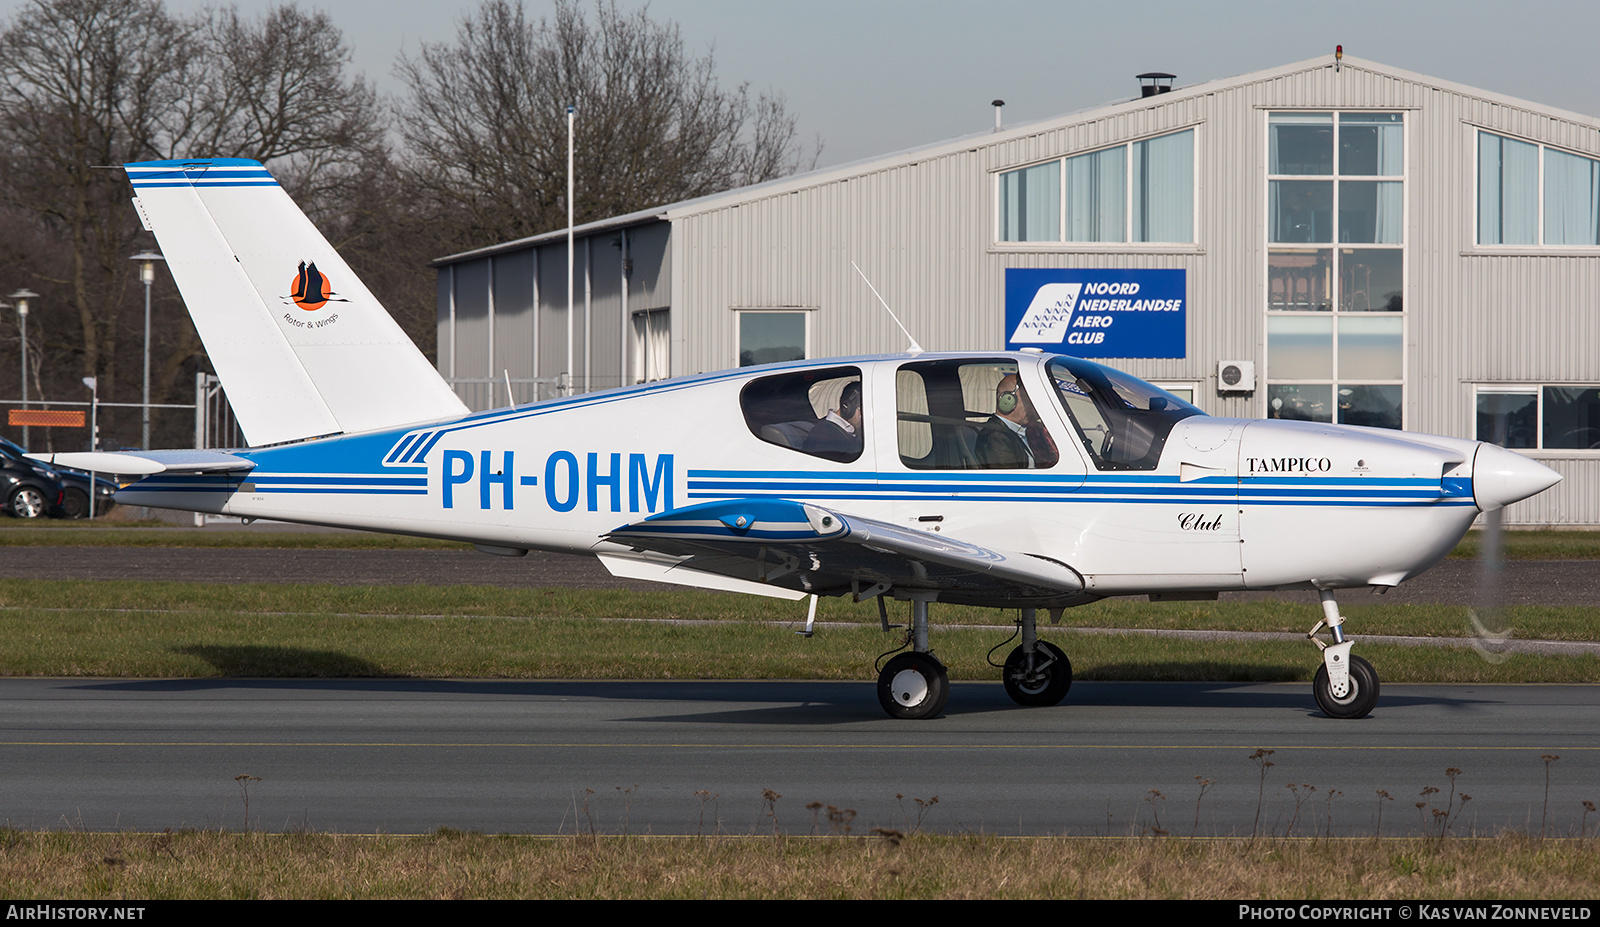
(1154, 82)
(997, 104)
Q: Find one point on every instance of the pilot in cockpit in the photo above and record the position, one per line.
(838, 435)
(1013, 438)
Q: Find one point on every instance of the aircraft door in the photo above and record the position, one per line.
(1161, 500)
(973, 452)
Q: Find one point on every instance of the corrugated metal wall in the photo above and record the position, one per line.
(513, 321)
(488, 303)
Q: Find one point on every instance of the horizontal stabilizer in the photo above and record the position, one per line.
(144, 463)
(810, 549)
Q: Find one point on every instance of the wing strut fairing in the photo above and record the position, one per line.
(807, 548)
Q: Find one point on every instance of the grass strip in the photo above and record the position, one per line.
(44, 866)
(181, 630)
(1565, 623)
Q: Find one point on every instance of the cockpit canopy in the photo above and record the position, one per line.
(967, 413)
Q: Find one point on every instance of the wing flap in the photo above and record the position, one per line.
(811, 549)
(672, 570)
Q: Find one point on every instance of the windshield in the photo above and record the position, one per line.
(1122, 421)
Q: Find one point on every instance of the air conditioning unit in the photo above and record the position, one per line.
(1236, 376)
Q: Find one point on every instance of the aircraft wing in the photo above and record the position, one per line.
(807, 548)
(144, 463)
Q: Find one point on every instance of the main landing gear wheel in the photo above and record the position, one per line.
(1359, 701)
(1046, 683)
(913, 686)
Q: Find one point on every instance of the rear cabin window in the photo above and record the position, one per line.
(968, 415)
(816, 412)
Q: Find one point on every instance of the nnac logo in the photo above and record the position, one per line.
(1049, 314)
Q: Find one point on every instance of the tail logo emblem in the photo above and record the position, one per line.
(311, 290)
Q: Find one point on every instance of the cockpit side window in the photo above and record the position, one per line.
(816, 412)
(1122, 421)
(968, 415)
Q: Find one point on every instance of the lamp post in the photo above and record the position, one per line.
(147, 273)
(94, 432)
(571, 261)
(22, 296)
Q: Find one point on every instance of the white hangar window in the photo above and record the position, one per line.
(1336, 267)
(1139, 192)
(1539, 417)
(772, 336)
(1511, 208)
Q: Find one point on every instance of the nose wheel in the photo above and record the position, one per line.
(913, 686)
(1361, 691)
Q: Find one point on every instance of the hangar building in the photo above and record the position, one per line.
(1329, 240)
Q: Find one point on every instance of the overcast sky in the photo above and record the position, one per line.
(876, 76)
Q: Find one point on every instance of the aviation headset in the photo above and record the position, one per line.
(850, 400)
(1007, 401)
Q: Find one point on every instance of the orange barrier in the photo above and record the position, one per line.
(46, 418)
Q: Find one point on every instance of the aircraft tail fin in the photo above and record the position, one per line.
(302, 347)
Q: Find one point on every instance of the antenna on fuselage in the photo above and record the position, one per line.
(915, 348)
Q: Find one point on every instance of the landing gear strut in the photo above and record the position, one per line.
(914, 685)
(1037, 672)
(1346, 686)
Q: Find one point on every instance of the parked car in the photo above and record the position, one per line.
(74, 502)
(29, 488)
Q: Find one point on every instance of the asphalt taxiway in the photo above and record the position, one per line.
(552, 757)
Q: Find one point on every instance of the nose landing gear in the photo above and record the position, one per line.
(1346, 686)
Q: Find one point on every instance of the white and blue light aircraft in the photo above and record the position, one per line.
(1010, 480)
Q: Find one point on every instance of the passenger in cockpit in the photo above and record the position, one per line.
(1013, 438)
(838, 435)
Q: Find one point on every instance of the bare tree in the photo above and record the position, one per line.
(87, 85)
(275, 90)
(485, 123)
(83, 86)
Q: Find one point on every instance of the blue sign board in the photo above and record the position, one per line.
(1098, 313)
